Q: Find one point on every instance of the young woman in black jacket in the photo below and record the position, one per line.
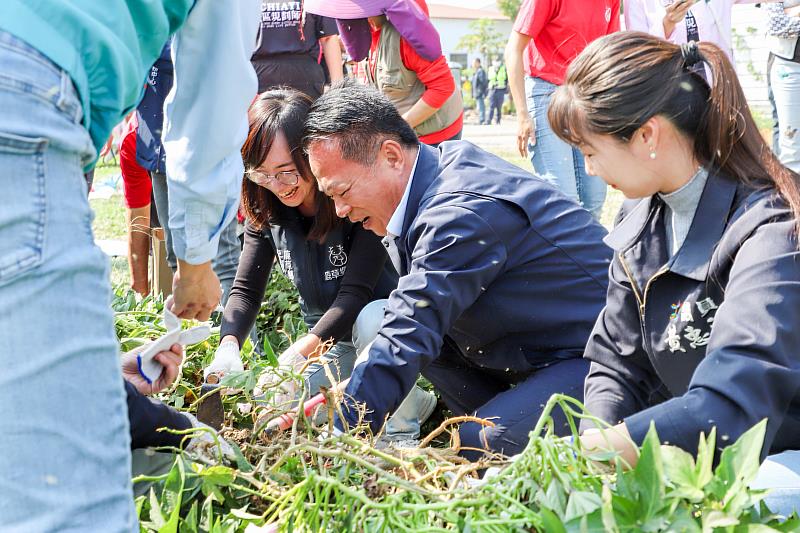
(337, 266)
(701, 327)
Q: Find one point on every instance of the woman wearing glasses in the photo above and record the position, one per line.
(338, 267)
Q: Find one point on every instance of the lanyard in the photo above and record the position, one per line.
(693, 34)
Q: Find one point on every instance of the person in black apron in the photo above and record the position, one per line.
(291, 46)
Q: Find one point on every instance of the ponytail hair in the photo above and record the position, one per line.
(622, 80)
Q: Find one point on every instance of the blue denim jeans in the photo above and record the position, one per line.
(481, 104)
(557, 161)
(227, 259)
(785, 81)
(65, 455)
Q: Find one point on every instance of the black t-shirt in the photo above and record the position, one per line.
(280, 31)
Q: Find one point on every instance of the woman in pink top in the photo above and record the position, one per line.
(681, 21)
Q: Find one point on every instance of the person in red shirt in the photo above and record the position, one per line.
(547, 36)
(400, 65)
(137, 189)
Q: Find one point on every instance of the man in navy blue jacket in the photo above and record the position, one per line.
(502, 276)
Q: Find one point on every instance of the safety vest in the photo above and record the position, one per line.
(403, 87)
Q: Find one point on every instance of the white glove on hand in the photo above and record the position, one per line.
(290, 362)
(149, 368)
(226, 360)
(207, 445)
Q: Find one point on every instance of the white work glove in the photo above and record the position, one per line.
(206, 446)
(290, 362)
(149, 368)
(226, 360)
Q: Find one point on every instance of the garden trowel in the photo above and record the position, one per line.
(210, 410)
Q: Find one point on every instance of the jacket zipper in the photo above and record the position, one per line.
(640, 298)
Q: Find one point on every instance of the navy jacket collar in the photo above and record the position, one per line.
(426, 172)
(693, 258)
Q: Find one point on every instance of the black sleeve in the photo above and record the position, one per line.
(326, 27)
(146, 416)
(364, 267)
(247, 291)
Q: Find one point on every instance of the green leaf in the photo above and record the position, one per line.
(757, 528)
(716, 518)
(189, 524)
(207, 514)
(551, 522)
(172, 496)
(218, 475)
(705, 459)
(581, 503)
(552, 498)
(682, 521)
(157, 517)
(791, 525)
(609, 519)
(737, 468)
(649, 476)
(680, 470)
(244, 515)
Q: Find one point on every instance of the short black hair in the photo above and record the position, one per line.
(359, 118)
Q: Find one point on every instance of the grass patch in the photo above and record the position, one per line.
(109, 218)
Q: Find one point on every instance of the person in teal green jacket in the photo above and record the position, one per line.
(69, 71)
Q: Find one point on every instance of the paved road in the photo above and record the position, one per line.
(494, 136)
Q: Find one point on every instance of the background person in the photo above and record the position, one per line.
(292, 46)
(681, 21)
(480, 88)
(702, 320)
(501, 275)
(422, 89)
(149, 153)
(137, 192)
(68, 73)
(337, 266)
(783, 29)
(547, 36)
(498, 86)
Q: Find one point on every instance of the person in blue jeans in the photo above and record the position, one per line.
(480, 87)
(548, 35)
(68, 73)
(150, 154)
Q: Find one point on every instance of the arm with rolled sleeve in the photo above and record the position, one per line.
(206, 122)
(621, 377)
(456, 253)
(751, 370)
